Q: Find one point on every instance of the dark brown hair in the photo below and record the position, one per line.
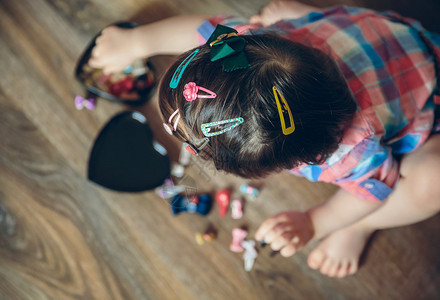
(309, 80)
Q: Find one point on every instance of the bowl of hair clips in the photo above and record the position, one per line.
(133, 86)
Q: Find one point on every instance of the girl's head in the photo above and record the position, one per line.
(309, 80)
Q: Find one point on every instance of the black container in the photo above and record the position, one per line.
(125, 157)
(94, 92)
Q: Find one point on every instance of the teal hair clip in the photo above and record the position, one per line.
(206, 127)
(179, 71)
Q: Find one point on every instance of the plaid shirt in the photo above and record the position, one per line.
(390, 71)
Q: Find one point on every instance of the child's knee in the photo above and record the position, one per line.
(425, 184)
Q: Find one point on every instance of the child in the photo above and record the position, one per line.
(343, 95)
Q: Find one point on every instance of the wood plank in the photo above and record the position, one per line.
(62, 237)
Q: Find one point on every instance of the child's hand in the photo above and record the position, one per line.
(287, 231)
(115, 49)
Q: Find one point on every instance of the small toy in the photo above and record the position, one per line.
(238, 236)
(223, 197)
(177, 170)
(201, 238)
(185, 156)
(237, 209)
(249, 190)
(250, 254)
(193, 204)
(168, 189)
(81, 102)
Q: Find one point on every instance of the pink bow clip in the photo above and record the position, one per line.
(238, 236)
(81, 102)
(191, 89)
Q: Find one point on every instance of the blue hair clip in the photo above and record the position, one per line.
(206, 127)
(179, 71)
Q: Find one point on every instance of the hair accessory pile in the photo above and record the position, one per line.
(228, 47)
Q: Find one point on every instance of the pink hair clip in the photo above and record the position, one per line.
(191, 89)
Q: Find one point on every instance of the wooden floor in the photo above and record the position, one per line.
(62, 237)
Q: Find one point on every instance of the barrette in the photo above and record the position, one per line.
(191, 148)
(170, 127)
(222, 37)
(283, 108)
(206, 127)
(191, 89)
(179, 71)
(228, 47)
(81, 102)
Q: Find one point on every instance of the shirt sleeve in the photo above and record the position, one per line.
(341, 15)
(363, 164)
(242, 26)
(375, 171)
(367, 169)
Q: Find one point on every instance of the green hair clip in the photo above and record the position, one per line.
(206, 127)
(229, 47)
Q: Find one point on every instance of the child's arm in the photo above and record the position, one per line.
(117, 48)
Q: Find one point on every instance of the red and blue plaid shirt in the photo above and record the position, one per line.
(391, 72)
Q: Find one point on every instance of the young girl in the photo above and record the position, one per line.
(343, 95)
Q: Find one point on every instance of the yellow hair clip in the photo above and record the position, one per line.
(283, 108)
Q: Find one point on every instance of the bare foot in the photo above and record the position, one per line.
(338, 254)
(279, 10)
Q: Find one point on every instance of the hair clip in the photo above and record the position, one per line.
(283, 108)
(170, 127)
(179, 71)
(222, 37)
(228, 47)
(206, 127)
(191, 89)
(191, 148)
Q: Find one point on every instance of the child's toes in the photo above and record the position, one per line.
(333, 269)
(353, 267)
(316, 258)
(343, 269)
(326, 266)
